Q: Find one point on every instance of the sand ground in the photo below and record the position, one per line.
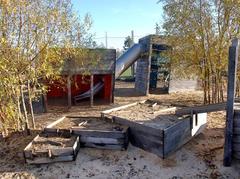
(202, 157)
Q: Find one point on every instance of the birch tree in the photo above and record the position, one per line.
(200, 32)
(31, 33)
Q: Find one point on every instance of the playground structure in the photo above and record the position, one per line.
(154, 127)
(153, 74)
(88, 81)
(153, 71)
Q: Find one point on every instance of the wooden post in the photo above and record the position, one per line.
(45, 103)
(91, 89)
(69, 91)
(232, 70)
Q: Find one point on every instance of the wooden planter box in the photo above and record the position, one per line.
(93, 132)
(49, 148)
(162, 134)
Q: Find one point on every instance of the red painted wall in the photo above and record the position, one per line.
(80, 84)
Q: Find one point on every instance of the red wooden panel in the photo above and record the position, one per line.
(80, 84)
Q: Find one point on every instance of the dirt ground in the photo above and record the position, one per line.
(200, 158)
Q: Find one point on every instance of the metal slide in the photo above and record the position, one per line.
(127, 59)
(87, 94)
(122, 64)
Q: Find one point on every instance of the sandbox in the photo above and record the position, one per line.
(93, 131)
(49, 148)
(154, 127)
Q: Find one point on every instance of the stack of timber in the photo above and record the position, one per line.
(155, 127)
(93, 132)
(49, 148)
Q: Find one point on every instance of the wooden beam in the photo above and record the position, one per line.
(119, 108)
(91, 89)
(201, 109)
(55, 122)
(232, 71)
(69, 91)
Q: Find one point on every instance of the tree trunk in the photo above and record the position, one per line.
(30, 104)
(24, 110)
(20, 119)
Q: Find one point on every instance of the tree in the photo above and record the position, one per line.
(31, 33)
(200, 32)
(128, 42)
(157, 28)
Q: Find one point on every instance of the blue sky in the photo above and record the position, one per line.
(118, 18)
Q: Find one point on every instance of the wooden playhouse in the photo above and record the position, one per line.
(92, 80)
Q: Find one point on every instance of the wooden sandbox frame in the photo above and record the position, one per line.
(161, 142)
(101, 139)
(47, 155)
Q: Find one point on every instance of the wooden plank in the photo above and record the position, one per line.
(176, 135)
(108, 146)
(236, 147)
(99, 133)
(47, 141)
(76, 147)
(236, 139)
(67, 133)
(50, 130)
(100, 140)
(180, 133)
(236, 155)
(55, 122)
(30, 144)
(62, 151)
(201, 109)
(236, 130)
(45, 160)
(146, 137)
(121, 107)
(143, 142)
(236, 121)
(143, 128)
(40, 153)
(28, 154)
(126, 139)
(232, 71)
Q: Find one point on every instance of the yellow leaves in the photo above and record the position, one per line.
(3, 40)
(32, 37)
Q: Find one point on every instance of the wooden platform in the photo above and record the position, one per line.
(93, 131)
(49, 148)
(155, 127)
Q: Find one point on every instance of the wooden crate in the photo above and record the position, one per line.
(49, 148)
(96, 133)
(158, 135)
